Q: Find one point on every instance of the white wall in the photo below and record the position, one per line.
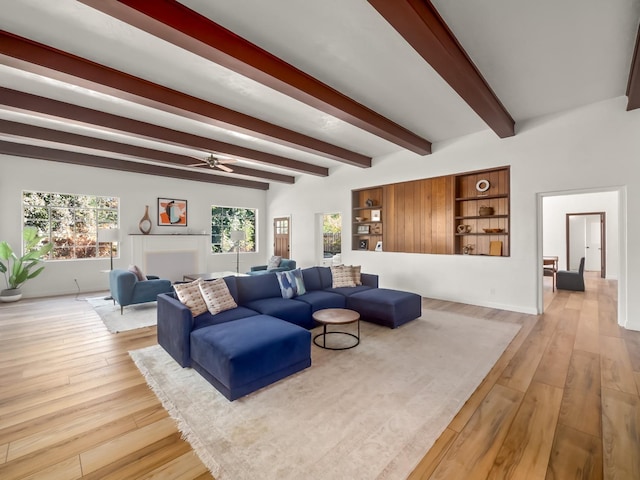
(135, 191)
(554, 229)
(595, 147)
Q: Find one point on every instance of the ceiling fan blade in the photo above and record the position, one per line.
(225, 160)
(224, 168)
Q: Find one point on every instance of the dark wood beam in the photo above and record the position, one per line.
(49, 62)
(56, 109)
(75, 158)
(633, 85)
(424, 29)
(175, 23)
(57, 136)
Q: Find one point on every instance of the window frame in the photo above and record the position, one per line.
(225, 245)
(81, 234)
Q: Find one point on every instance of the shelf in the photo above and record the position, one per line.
(373, 207)
(480, 217)
(485, 197)
(479, 234)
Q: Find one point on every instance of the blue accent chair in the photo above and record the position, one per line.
(285, 264)
(126, 289)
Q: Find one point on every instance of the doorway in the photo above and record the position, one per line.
(586, 238)
(281, 237)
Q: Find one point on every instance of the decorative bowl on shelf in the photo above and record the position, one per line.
(360, 219)
(493, 230)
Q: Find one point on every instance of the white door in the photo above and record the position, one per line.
(593, 248)
(577, 240)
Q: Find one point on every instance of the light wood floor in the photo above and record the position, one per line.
(561, 403)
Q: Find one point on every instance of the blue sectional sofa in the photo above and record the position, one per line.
(266, 337)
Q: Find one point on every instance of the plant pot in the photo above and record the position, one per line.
(10, 295)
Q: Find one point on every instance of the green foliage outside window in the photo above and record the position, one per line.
(70, 222)
(226, 219)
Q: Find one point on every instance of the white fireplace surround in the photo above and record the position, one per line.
(169, 256)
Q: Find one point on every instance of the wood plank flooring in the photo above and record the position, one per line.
(562, 402)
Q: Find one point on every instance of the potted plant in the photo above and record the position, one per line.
(17, 270)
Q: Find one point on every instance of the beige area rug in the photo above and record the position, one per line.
(135, 316)
(367, 413)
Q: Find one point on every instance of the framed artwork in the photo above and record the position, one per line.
(363, 229)
(363, 244)
(172, 212)
(375, 215)
(379, 246)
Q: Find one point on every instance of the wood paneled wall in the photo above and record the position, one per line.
(418, 216)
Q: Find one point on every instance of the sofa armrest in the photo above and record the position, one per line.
(175, 323)
(258, 268)
(369, 279)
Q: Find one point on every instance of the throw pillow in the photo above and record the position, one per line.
(291, 283)
(137, 272)
(189, 294)
(357, 276)
(217, 296)
(341, 276)
(274, 262)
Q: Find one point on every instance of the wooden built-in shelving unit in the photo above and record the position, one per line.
(441, 215)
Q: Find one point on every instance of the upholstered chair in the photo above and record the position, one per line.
(127, 289)
(571, 280)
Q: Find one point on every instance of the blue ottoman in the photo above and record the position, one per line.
(241, 356)
(390, 308)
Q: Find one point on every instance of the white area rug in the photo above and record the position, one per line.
(367, 413)
(134, 316)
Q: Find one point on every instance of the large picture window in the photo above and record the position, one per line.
(71, 222)
(224, 220)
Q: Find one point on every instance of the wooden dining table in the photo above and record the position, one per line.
(550, 268)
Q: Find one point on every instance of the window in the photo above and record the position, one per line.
(226, 219)
(71, 222)
(331, 234)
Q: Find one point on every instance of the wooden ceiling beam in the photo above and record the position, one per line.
(177, 24)
(633, 84)
(21, 101)
(76, 158)
(49, 62)
(66, 138)
(424, 29)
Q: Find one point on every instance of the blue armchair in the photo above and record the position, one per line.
(126, 289)
(285, 264)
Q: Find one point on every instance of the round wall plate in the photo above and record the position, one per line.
(483, 185)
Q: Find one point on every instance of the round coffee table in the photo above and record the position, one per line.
(336, 316)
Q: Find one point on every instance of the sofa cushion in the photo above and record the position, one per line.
(189, 294)
(291, 310)
(291, 283)
(342, 276)
(383, 306)
(274, 262)
(311, 277)
(325, 277)
(348, 291)
(237, 360)
(206, 319)
(252, 288)
(319, 299)
(217, 296)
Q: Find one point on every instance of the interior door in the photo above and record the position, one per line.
(281, 240)
(586, 238)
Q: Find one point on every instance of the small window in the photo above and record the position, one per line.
(224, 220)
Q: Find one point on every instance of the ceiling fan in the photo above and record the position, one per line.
(215, 162)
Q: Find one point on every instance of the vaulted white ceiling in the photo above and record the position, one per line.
(536, 57)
